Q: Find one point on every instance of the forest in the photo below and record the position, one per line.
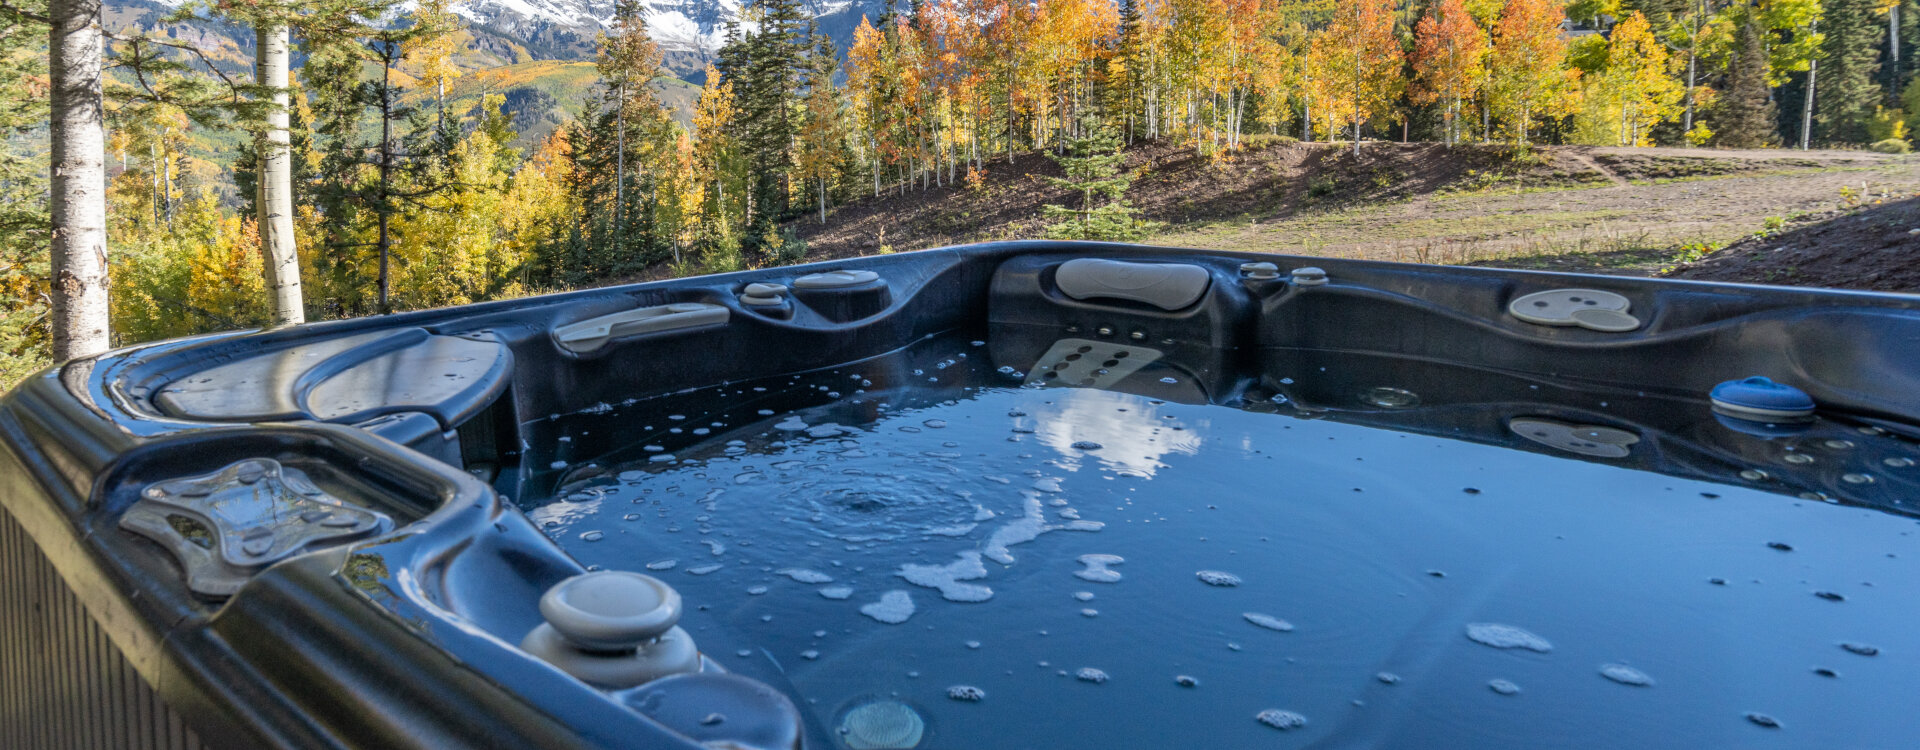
(365, 171)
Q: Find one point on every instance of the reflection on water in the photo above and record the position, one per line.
(1264, 579)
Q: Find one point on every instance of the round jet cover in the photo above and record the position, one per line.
(1592, 309)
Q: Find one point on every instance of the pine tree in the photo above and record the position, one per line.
(1092, 162)
(1849, 60)
(24, 329)
(1744, 114)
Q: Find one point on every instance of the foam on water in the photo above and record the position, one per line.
(1625, 675)
(967, 693)
(1099, 569)
(893, 608)
(1217, 578)
(1506, 636)
(1268, 621)
(948, 578)
(804, 576)
(1281, 720)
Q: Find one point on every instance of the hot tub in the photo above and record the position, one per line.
(1031, 494)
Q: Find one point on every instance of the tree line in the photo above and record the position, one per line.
(361, 183)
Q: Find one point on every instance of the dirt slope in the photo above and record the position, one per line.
(1871, 247)
(1564, 207)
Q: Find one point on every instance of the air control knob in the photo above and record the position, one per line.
(613, 628)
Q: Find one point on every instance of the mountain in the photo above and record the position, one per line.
(504, 32)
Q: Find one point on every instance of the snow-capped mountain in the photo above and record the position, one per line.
(688, 31)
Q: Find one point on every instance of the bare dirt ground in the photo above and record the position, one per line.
(1872, 246)
(1605, 210)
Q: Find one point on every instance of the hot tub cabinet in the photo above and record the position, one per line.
(340, 534)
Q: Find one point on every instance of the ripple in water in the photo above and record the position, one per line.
(1217, 578)
(1281, 720)
(1268, 621)
(893, 608)
(1098, 569)
(1625, 675)
(1506, 636)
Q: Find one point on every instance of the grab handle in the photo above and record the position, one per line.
(591, 334)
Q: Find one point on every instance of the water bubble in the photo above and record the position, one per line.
(1763, 720)
(756, 590)
(837, 593)
(630, 476)
(1085, 596)
(935, 423)
(1625, 675)
(804, 576)
(1098, 569)
(1089, 674)
(1268, 621)
(1825, 672)
(1169, 381)
(1506, 636)
(1089, 612)
(1503, 687)
(967, 693)
(592, 536)
(661, 458)
(1281, 720)
(1387, 678)
(1782, 546)
(700, 570)
(1217, 578)
(893, 608)
(1185, 681)
(662, 564)
(1857, 478)
(1898, 462)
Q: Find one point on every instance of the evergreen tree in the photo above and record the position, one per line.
(1092, 163)
(1744, 115)
(24, 329)
(1849, 61)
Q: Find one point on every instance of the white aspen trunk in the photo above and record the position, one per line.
(275, 203)
(79, 190)
(1806, 107)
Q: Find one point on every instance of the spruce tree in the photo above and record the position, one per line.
(1092, 161)
(1849, 62)
(1744, 114)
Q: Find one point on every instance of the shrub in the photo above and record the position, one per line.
(1891, 146)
